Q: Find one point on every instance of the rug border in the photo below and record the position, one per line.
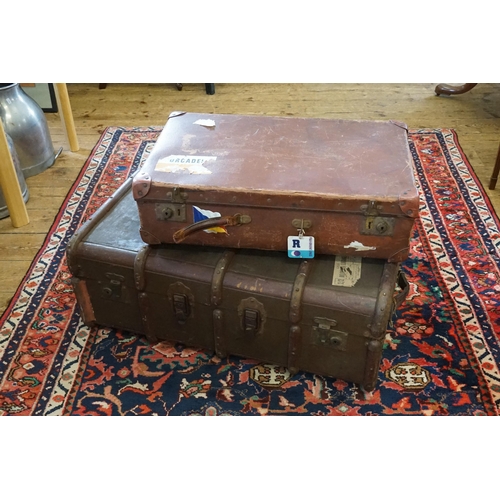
(56, 220)
(475, 177)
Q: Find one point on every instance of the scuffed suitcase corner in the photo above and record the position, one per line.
(149, 238)
(399, 124)
(409, 203)
(141, 184)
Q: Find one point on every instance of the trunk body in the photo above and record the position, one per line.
(249, 303)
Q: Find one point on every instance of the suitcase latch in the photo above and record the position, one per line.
(113, 289)
(182, 301)
(327, 336)
(181, 307)
(252, 316)
(251, 321)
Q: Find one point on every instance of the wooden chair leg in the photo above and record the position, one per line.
(496, 170)
(66, 115)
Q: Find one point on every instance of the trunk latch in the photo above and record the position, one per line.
(327, 336)
(181, 307)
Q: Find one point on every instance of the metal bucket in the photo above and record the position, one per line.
(4, 212)
(24, 121)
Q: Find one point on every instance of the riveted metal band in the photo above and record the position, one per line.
(383, 305)
(84, 301)
(218, 276)
(140, 266)
(220, 346)
(82, 233)
(294, 339)
(140, 284)
(373, 355)
(295, 314)
(298, 290)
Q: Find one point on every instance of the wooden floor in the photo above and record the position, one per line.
(474, 115)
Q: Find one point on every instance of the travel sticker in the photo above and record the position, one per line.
(184, 163)
(200, 214)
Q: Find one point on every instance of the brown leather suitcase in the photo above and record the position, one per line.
(258, 181)
(255, 304)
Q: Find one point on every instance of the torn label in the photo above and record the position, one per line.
(359, 246)
(205, 123)
(346, 271)
(184, 163)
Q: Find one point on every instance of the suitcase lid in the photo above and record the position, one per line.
(286, 161)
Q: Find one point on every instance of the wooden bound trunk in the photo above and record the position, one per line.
(250, 303)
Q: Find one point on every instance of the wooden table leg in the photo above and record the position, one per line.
(10, 184)
(496, 169)
(66, 115)
(442, 88)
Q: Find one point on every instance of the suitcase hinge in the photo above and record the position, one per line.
(327, 336)
(372, 209)
(176, 196)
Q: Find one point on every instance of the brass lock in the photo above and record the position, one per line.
(378, 226)
(171, 211)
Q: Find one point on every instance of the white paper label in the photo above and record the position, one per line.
(359, 247)
(205, 122)
(184, 163)
(346, 270)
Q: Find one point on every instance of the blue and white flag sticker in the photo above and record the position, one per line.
(200, 214)
(301, 247)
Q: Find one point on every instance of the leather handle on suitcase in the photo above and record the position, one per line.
(231, 220)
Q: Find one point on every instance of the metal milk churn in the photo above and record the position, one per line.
(4, 211)
(25, 123)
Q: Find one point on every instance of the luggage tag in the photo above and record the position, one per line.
(301, 246)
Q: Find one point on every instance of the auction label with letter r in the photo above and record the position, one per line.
(301, 247)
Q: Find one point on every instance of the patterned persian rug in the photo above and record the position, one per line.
(441, 353)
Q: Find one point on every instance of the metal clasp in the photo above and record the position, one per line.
(327, 336)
